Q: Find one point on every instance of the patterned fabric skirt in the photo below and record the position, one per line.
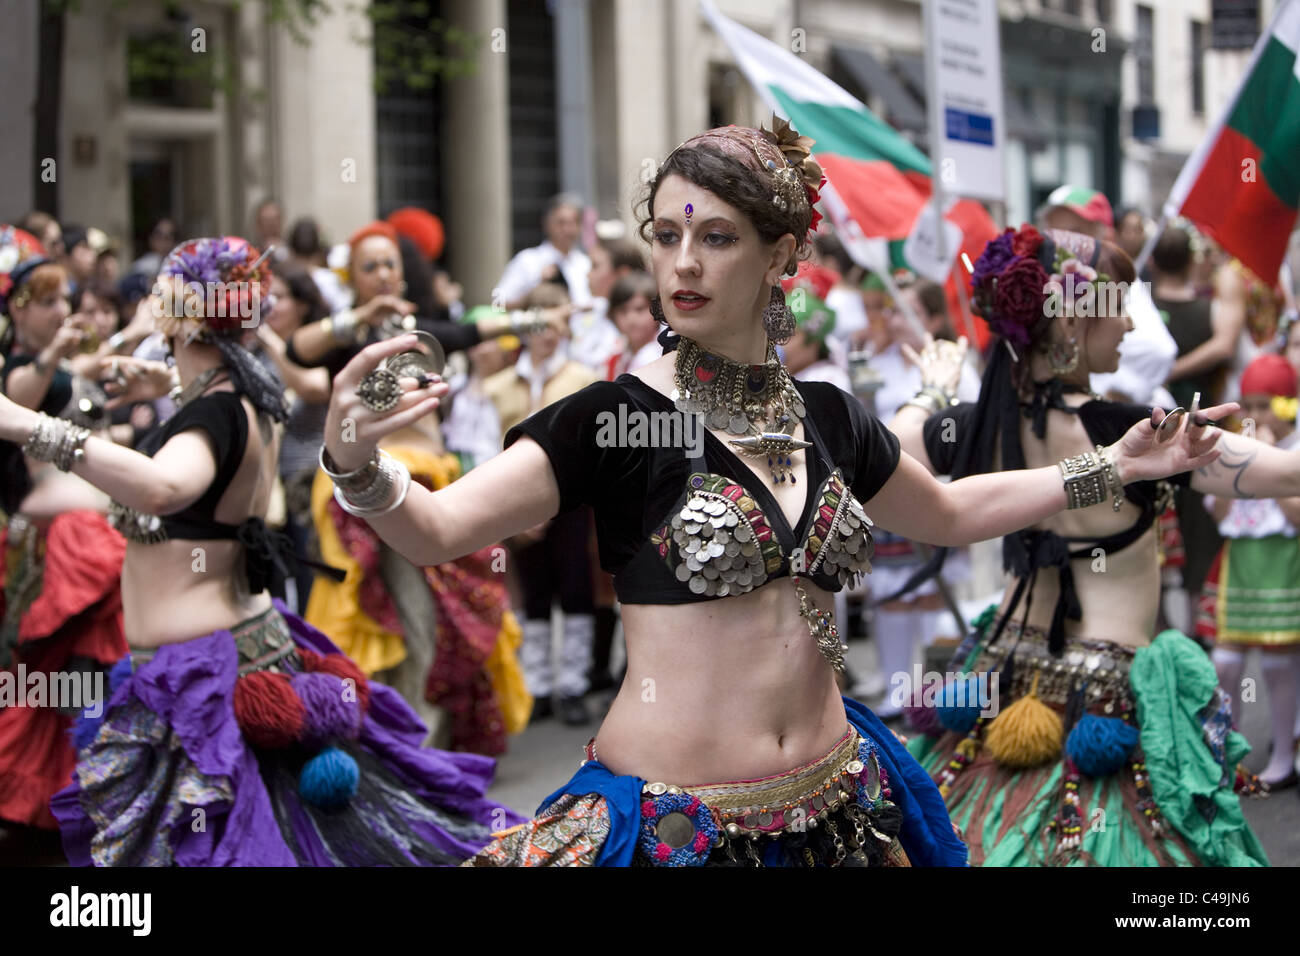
(862, 804)
(264, 746)
(1100, 756)
(60, 625)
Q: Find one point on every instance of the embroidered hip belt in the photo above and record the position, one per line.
(263, 642)
(1097, 668)
(836, 809)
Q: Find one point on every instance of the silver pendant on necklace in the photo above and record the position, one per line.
(778, 447)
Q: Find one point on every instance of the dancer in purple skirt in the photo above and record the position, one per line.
(235, 733)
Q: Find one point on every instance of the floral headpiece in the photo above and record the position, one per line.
(233, 280)
(780, 153)
(1021, 270)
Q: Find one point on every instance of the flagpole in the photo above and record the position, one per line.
(1150, 244)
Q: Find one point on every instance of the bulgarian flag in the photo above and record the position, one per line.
(877, 181)
(1242, 185)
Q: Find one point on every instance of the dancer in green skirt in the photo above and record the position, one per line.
(1067, 734)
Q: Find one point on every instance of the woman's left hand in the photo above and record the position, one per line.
(1139, 456)
(132, 379)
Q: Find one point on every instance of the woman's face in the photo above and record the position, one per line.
(601, 278)
(376, 269)
(636, 322)
(715, 275)
(39, 319)
(287, 313)
(1099, 337)
(101, 313)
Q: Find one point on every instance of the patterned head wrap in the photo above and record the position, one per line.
(226, 291)
(780, 155)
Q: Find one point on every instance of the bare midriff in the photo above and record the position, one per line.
(721, 690)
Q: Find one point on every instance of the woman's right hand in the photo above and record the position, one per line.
(352, 431)
(379, 308)
(940, 362)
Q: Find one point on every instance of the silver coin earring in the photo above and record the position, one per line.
(1063, 359)
(778, 320)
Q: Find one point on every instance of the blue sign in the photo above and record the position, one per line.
(969, 127)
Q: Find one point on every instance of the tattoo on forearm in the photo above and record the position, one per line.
(1231, 459)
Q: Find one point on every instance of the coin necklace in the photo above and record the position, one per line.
(737, 397)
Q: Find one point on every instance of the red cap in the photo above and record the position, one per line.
(421, 227)
(1269, 375)
(817, 279)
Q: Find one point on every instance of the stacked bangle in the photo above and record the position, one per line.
(376, 488)
(526, 322)
(932, 398)
(343, 328)
(56, 441)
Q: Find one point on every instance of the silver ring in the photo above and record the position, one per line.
(379, 391)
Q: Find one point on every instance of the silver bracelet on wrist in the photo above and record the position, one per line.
(1112, 478)
(525, 322)
(386, 493)
(56, 441)
(1085, 480)
(354, 480)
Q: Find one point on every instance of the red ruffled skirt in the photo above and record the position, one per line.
(61, 602)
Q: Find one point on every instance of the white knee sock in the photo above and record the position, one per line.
(575, 654)
(1281, 680)
(535, 657)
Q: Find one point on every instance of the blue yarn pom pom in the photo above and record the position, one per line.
(1099, 746)
(959, 704)
(329, 779)
(118, 675)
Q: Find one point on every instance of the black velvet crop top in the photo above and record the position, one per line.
(221, 418)
(267, 554)
(653, 505)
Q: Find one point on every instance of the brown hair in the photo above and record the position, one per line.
(623, 254)
(737, 185)
(548, 295)
(629, 287)
(44, 280)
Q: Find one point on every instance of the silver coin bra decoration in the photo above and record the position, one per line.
(717, 553)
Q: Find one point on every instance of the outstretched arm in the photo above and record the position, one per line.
(1250, 468)
(510, 493)
(916, 505)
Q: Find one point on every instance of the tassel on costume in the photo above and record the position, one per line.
(1026, 734)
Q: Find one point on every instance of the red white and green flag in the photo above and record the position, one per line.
(875, 177)
(1242, 185)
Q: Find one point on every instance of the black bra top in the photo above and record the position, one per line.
(267, 554)
(678, 525)
(222, 419)
(1027, 551)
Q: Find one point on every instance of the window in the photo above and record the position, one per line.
(1144, 50)
(1198, 68)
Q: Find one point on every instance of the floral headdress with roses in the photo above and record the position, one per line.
(1021, 270)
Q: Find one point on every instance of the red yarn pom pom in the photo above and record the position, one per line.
(268, 712)
(342, 667)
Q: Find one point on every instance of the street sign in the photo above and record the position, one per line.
(964, 60)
